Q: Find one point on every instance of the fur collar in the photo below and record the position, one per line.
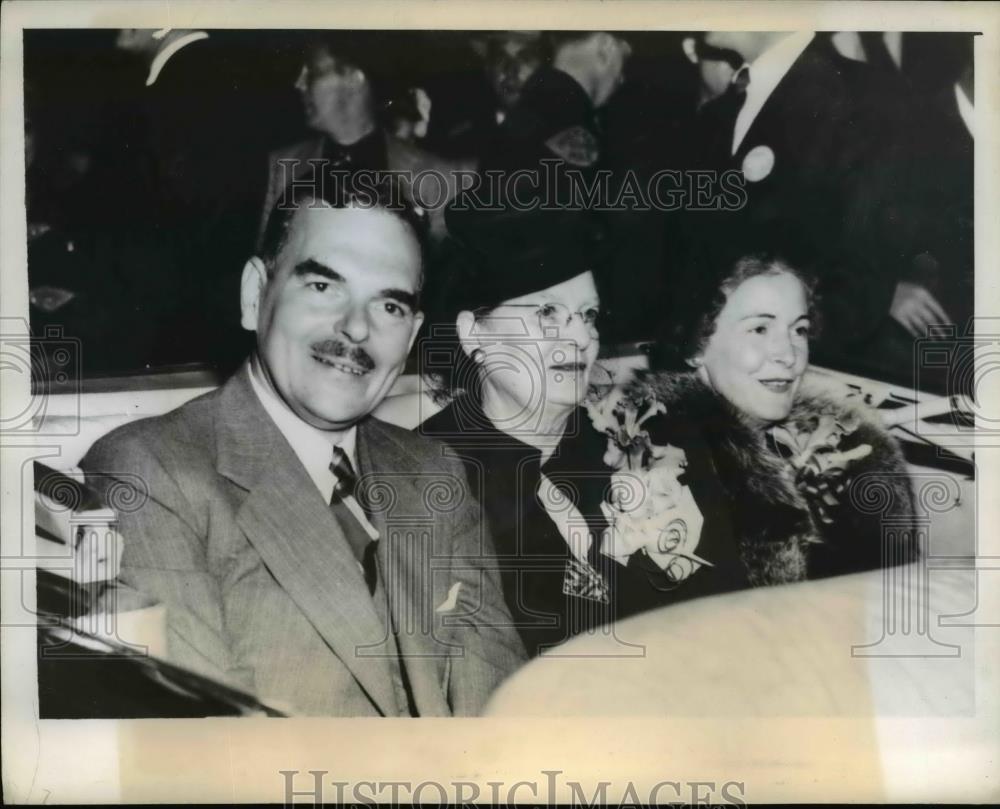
(774, 523)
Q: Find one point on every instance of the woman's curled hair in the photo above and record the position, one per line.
(708, 286)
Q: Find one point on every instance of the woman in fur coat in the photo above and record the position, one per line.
(792, 482)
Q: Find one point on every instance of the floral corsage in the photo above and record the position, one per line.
(818, 465)
(648, 509)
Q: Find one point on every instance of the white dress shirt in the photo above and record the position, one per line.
(314, 447)
(161, 59)
(766, 72)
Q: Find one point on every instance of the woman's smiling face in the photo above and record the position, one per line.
(760, 347)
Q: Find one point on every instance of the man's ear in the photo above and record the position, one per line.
(604, 45)
(418, 321)
(465, 323)
(252, 288)
(690, 50)
(358, 77)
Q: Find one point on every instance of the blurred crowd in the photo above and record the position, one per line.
(153, 160)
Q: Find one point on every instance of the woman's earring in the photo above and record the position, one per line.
(478, 356)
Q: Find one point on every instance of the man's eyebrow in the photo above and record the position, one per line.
(401, 296)
(312, 267)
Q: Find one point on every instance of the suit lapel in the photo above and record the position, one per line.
(792, 99)
(285, 519)
(408, 579)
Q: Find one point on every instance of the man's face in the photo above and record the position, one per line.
(328, 88)
(716, 67)
(336, 320)
(512, 59)
(611, 61)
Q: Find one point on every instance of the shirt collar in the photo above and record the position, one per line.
(966, 110)
(313, 446)
(768, 69)
(766, 73)
(160, 60)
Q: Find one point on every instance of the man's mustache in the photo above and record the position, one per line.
(336, 349)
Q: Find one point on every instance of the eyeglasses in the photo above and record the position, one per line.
(558, 315)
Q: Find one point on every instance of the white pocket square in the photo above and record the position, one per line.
(452, 600)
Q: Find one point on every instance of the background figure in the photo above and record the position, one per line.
(149, 156)
(555, 132)
(511, 58)
(822, 143)
(645, 129)
(344, 83)
(937, 287)
(198, 141)
(163, 139)
(555, 117)
(94, 267)
(716, 66)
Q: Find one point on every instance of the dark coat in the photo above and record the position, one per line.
(831, 201)
(504, 474)
(779, 533)
(553, 120)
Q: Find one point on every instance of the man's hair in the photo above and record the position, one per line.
(554, 40)
(279, 222)
(368, 51)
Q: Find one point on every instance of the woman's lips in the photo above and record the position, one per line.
(777, 385)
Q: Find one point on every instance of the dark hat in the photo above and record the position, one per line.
(499, 255)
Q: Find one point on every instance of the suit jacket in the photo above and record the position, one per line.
(400, 156)
(262, 590)
(831, 201)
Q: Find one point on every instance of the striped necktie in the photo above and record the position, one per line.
(357, 537)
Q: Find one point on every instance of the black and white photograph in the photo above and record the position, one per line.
(613, 377)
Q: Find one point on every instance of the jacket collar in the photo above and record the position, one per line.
(812, 79)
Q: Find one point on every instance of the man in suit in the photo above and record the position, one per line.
(190, 146)
(344, 86)
(306, 552)
(821, 141)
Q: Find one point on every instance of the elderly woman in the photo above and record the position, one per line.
(814, 486)
(511, 356)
